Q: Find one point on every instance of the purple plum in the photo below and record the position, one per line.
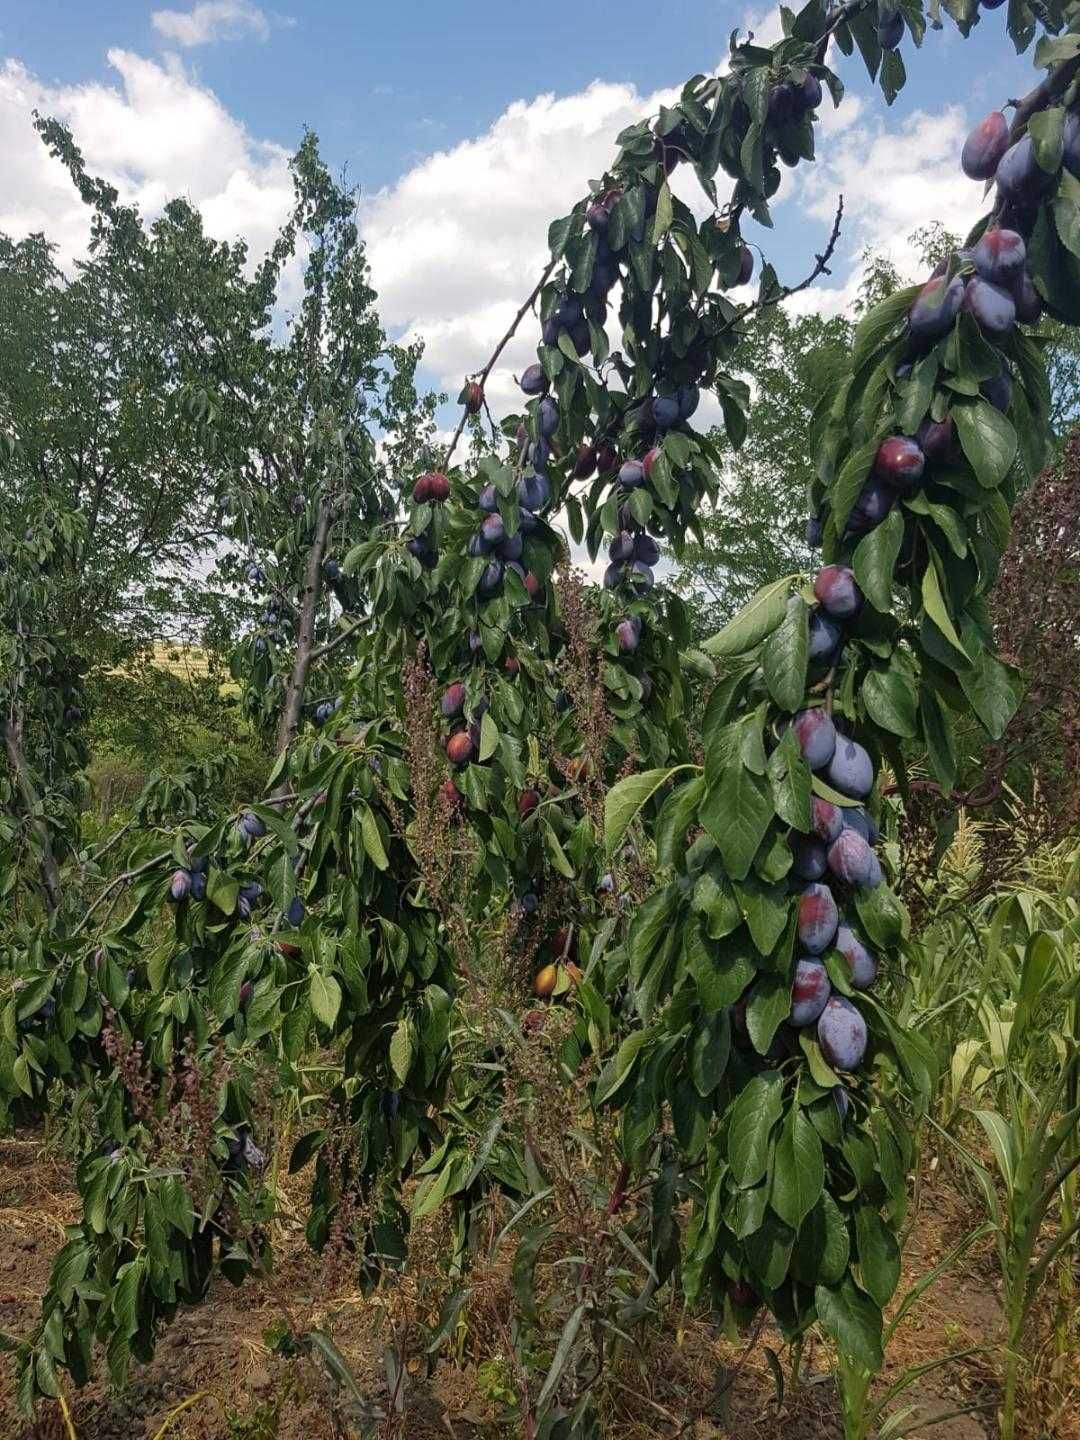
(861, 962)
(810, 989)
(841, 1033)
(985, 146)
(818, 918)
(936, 308)
(836, 591)
(851, 859)
(850, 769)
(816, 735)
(809, 857)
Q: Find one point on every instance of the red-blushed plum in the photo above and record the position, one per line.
(810, 989)
(851, 859)
(999, 256)
(816, 735)
(453, 700)
(836, 591)
(861, 962)
(899, 462)
(818, 918)
(528, 800)
(827, 819)
(459, 748)
(985, 146)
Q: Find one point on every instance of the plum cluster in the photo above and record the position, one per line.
(462, 740)
(189, 883)
(503, 551)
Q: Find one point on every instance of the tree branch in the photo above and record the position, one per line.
(499, 348)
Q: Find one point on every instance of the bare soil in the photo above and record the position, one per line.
(689, 1382)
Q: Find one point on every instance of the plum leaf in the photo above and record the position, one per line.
(879, 1255)
(624, 800)
(758, 618)
(853, 1320)
(987, 439)
(875, 558)
(798, 1169)
(751, 1120)
(784, 657)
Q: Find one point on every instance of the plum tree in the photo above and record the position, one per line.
(716, 940)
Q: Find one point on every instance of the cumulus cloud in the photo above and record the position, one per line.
(893, 179)
(154, 133)
(210, 21)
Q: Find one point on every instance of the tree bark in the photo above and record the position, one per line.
(50, 872)
(305, 644)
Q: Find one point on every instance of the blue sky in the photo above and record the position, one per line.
(467, 127)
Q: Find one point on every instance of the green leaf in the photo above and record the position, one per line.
(987, 439)
(874, 561)
(853, 1321)
(222, 890)
(489, 737)
(890, 696)
(618, 1070)
(710, 1046)
(798, 1169)
(850, 481)
(401, 1050)
(993, 692)
(879, 1254)
(737, 813)
(758, 618)
(790, 778)
(373, 845)
(934, 602)
(325, 995)
(562, 1356)
(784, 656)
(751, 1119)
(937, 732)
(624, 800)
(1047, 131)
(767, 1008)
(879, 323)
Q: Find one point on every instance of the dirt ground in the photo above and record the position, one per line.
(692, 1384)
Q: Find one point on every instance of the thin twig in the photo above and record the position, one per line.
(123, 879)
(486, 371)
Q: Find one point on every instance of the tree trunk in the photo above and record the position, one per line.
(50, 873)
(305, 644)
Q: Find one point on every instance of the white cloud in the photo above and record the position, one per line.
(894, 179)
(155, 133)
(211, 20)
